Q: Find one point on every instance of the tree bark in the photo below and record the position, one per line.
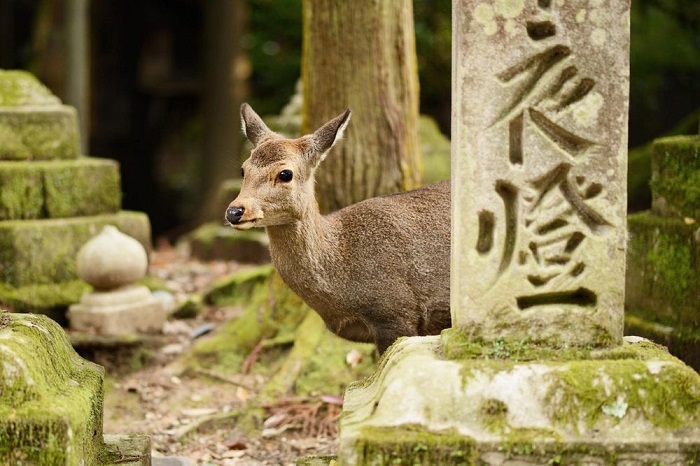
(222, 95)
(361, 55)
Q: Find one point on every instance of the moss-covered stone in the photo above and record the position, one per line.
(682, 342)
(634, 404)
(20, 88)
(663, 269)
(271, 310)
(317, 363)
(51, 299)
(676, 177)
(50, 398)
(39, 133)
(59, 189)
(44, 251)
(213, 241)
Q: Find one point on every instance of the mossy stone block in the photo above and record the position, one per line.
(663, 269)
(675, 181)
(682, 342)
(50, 398)
(59, 188)
(44, 251)
(213, 241)
(50, 299)
(39, 133)
(19, 88)
(634, 404)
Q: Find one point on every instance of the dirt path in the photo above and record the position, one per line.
(198, 416)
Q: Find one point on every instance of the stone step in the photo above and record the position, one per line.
(663, 270)
(675, 183)
(34, 125)
(59, 188)
(44, 251)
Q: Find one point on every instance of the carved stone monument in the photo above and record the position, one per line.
(535, 369)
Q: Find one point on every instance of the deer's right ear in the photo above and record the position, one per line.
(253, 127)
(327, 135)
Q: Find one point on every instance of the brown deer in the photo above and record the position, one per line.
(374, 271)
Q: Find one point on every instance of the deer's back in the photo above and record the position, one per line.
(394, 253)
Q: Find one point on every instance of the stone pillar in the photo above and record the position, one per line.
(535, 369)
(539, 167)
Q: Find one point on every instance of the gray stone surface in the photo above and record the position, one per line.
(124, 311)
(112, 259)
(539, 168)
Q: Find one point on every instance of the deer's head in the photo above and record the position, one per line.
(278, 177)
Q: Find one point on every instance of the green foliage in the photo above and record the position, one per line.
(273, 44)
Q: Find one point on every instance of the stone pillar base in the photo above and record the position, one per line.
(120, 312)
(513, 403)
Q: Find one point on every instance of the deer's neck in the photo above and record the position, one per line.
(302, 249)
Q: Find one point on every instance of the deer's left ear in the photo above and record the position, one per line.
(327, 135)
(254, 127)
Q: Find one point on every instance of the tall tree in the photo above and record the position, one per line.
(362, 55)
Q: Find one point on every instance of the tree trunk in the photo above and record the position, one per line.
(222, 95)
(361, 55)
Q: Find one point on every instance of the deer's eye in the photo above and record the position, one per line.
(285, 176)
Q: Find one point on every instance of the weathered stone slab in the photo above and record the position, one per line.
(499, 404)
(59, 189)
(539, 169)
(675, 182)
(50, 398)
(44, 251)
(663, 270)
(39, 133)
(124, 311)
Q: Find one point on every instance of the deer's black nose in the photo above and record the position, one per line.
(234, 214)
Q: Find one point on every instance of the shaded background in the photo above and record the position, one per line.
(164, 76)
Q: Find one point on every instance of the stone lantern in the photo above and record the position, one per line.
(112, 262)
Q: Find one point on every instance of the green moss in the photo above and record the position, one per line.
(39, 133)
(435, 148)
(238, 288)
(317, 461)
(271, 309)
(682, 342)
(589, 390)
(676, 176)
(317, 363)
(56, 189)
(411, 445)
(43, 299)
(663, 271)
(19, 88)
(215, 241)
(50, 398)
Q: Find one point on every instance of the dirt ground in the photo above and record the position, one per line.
(198, 416)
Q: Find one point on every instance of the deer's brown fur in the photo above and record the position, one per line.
(375, 270)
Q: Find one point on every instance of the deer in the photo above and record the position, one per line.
(375, 270)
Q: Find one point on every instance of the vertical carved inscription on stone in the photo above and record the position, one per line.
(539, 169)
